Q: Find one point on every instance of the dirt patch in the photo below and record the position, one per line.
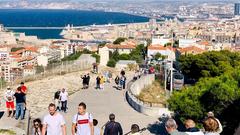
(154, 94)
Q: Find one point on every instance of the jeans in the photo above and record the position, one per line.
(20, 108)
(64, 106)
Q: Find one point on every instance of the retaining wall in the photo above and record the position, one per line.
(135, 88)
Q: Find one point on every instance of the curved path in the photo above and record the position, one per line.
(100, 103)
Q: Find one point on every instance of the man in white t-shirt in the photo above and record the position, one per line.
(64, 98)
(9, 97)
(82, 122)
(53, 123)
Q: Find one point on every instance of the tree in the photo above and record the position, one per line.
(73, 56)
(111, 63)
(217, 94)
(97, 57)
(119, 40)
(209, 64)
(158, 56)
(114, 55)
(102, 44)
(14, 49)
(124, 56)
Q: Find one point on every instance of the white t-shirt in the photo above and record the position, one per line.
(195, 133)
(96, 130)
(83, 127)
(54, 124)
(64, 96)
(9, 96)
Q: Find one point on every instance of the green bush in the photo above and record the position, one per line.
(72, 57)
(124, 56)
(218, 94)
(97, 57)
(119, 40)
(111, 63)
(14, 49)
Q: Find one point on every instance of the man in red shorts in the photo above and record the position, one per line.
(9, 101)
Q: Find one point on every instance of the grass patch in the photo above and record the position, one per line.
(153, 94)
(7, 132)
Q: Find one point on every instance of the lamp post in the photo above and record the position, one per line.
(171, 69)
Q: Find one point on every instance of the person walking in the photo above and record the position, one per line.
(84, 81)
(20, 103)
(102, 81)
(98, 79)
(171, 127)
(37, 127)
(87, 81)
(211, 126)
(9, 98)
(117, 80)
(124, 81)
(96, 129)
(135, 130)
(112, 127)
(82, 122)
(220, 129)
(57, 99)
(191, 128)
(53, 123)
(64, 98)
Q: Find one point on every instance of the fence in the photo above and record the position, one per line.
(59, 68)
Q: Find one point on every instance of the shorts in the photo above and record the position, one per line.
(10, 105)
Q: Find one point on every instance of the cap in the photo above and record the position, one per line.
(8, 87)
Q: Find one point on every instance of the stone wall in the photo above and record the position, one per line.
(135, 88)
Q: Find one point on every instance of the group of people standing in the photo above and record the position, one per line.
(121, 81)
(19, 98)
(100, 80)
(60, 100)
(211, 125)
(85, 81)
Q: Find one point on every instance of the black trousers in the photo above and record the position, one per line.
(64, 106)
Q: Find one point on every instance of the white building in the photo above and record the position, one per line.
(44, 59)
(104, 55)
(122, 49)
(165, 51)
(159, 40)
(29, 70)
(183, 43)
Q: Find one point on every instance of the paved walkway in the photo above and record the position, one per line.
(100, 103)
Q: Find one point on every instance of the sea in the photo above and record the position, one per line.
(60, 18)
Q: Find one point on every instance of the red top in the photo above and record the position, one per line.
(24, 89)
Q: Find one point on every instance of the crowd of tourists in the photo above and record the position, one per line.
(211, 126)
(83, 122)
(16, 98)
